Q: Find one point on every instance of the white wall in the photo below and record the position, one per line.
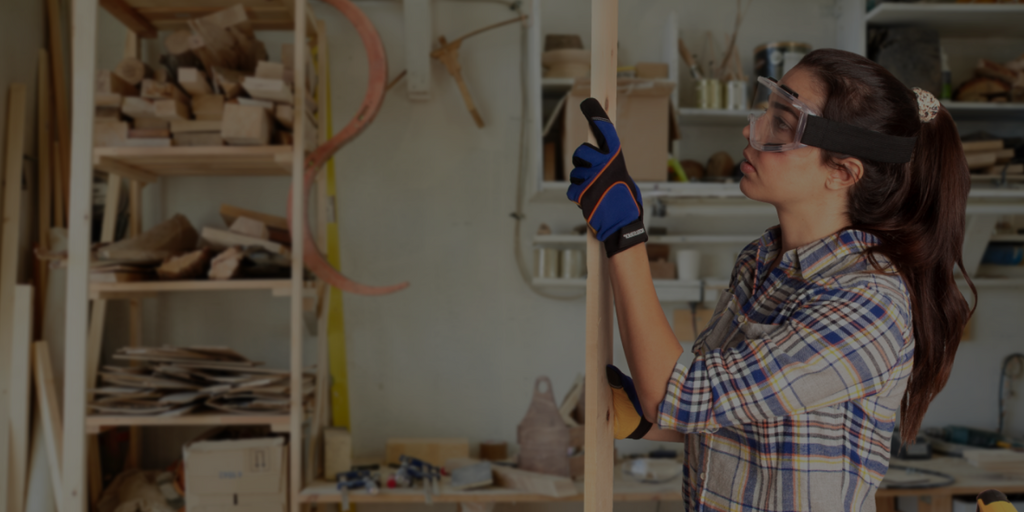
(425, 196)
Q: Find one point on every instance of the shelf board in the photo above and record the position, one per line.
(969, 111)
(567, 240)
(669, 290)
(709, 117)
(95, 423)
(953, 20)
(279, 287)
(557, 84)
(162, 15)
(148, 164)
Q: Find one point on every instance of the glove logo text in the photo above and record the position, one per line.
(631, 234)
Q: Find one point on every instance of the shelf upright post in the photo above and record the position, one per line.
(83, 64)
(298, 215)
(599, 465)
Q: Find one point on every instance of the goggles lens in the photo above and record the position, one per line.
(781, 126)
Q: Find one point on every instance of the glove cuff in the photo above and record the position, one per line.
(629, 235)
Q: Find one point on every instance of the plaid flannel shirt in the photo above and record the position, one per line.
(791, 401)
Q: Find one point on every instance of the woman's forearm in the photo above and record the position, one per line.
(650, 345)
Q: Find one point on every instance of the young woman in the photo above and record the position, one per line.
(837, 319)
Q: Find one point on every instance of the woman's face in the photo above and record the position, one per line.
(787, 177)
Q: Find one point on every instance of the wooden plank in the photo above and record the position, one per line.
(128, 171)
(298, 214)
(49, 411)
(20, 394)
(98, 423)
(79, 227)
(599, 465)
(130, 18)
(62, 162)
(14, 151)
(434, 451)
(44, 137)
(279, 287)
(536, 483)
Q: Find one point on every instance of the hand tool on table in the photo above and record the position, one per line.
(356, 479)
(412, 470)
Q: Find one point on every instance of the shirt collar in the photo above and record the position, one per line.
(819, 257)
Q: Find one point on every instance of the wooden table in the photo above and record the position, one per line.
(969, 481)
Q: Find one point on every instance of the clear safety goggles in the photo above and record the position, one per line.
(781, 126)
(788, 123)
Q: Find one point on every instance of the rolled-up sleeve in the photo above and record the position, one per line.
(838, 345)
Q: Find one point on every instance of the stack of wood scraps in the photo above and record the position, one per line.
(993, 157)
(994, 82)
(249, 248)
(213, 86)
(172, 381)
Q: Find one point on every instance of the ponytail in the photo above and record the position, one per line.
(917, 210)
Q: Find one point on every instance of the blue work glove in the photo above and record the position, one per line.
(629, 417)
(602, 188)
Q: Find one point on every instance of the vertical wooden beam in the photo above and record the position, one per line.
(20, 395)
(60, 97)
(599, 465)
(298, 216)
(49, 412)
(44, 138)
(12, 172)
(79, 226)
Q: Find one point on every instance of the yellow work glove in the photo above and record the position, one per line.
(629, 417)
(994, 501)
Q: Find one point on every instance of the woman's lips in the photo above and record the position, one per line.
(746, 168)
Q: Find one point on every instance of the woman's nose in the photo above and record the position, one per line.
(746, 131)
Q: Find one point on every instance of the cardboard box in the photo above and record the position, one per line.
(236, 475)
(643, 117)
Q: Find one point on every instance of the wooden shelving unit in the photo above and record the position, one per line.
(138, 166)
(955, 20)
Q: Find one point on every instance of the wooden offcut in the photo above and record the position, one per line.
(133, 70)
(337, 451)
(270, 89)
(229, 82)
(208, 107)
(227, 264)
(245, 125)
(110, 134)
(109, 82)
(194, 81)
(220, 239)
(277, 225)
(251, 227)
(171, 110)
(186, 266)
(136, 107)
(536, 483)
(433, 451)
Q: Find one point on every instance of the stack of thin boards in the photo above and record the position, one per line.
(994, 157)
(172, 381)
(213, 86)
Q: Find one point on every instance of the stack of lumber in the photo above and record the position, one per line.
(171, 381)
(995, 156)
(214, 86)
(994, 82)
(248, 248)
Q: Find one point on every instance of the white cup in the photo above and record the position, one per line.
(687, 265)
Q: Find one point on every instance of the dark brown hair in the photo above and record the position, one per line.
(917, 210)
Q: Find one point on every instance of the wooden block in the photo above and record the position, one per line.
(245, 125)
(337, 451)
(169, 238)
(534, 483)
(251, 227)
(285, 114)
(273, 70)
(229, 82)
(107, 114)
(150, 123)
(177, 43)
(277, 225)
(198, 139)
(194, 81)
(251, 102)
(109, 82)
(156, 90)
(136, 107)
(148, 134)
(171, 110)
(975, 146)
(651, 70)
(221, 239)
(550, 158)
(161, 73)
(49, 410)
(433, 451)
(186, 266)
(195, 126)
(148, 143)
(108, 100)
(283, 138)
(227, 264)
(686, 329)
(981, 160)
(208, 108)
(133, 70)
(109, 134)
(269, 89)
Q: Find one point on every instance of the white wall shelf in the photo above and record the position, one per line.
(669, 290)
(956, 20)
(689, 116)
(573, 240)
(971, 111)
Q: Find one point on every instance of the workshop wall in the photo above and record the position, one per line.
(425, 196)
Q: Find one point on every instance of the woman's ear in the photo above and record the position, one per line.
(845, 173)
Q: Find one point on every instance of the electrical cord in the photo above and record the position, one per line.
(518, 214)
(1017, 358)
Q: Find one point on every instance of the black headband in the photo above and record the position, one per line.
(859, 142)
